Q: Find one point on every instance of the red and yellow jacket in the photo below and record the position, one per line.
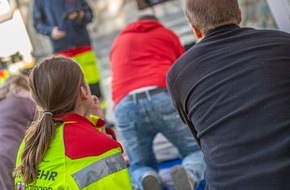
(80, 157)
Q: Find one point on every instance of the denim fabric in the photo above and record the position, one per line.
(139, 120)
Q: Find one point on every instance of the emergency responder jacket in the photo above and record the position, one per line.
(79, 157)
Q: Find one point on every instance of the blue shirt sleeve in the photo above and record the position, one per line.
(39, 19)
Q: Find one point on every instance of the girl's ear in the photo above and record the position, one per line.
(84, 93)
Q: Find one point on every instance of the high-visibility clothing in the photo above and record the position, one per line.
(86, 58)
(79, 157)
(88, 63)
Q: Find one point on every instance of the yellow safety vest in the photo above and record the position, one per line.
(88, 63)
(69, 167)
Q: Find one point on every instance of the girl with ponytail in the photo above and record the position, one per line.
(65, 148)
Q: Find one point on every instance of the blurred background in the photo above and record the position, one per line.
(21, 46)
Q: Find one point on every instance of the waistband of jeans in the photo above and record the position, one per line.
(147, 93)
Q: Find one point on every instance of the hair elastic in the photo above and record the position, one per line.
(46, 112)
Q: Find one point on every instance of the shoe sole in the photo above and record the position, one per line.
(150, 182)
(181, 179)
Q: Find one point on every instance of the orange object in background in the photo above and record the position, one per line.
(3, 75)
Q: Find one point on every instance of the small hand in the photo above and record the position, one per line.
(57, 34)
(76, 15)
(73, 15)
(95, 108)
(81, 15)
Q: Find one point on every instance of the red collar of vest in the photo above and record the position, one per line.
(73, 117)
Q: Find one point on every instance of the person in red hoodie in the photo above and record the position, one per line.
(140, 57)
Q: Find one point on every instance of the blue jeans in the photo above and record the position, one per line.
(140, 119)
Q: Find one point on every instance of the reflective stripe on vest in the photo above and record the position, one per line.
(99, 170)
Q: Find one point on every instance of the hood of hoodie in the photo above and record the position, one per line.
(142, 26)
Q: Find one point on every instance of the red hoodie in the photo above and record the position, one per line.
(141, 56)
